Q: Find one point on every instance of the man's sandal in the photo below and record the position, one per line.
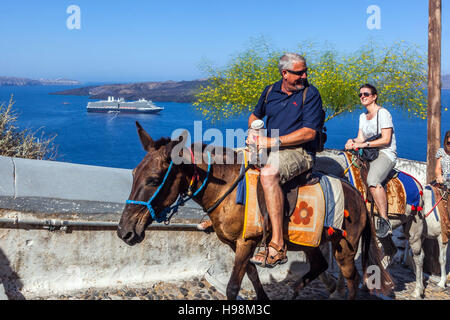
(271, 261)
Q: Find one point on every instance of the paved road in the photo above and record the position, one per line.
(200, 289)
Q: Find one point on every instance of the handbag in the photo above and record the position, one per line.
(371, 153)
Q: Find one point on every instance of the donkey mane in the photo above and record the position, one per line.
(161, 142)
(217, 151)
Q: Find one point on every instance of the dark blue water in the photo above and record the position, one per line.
(111, 140)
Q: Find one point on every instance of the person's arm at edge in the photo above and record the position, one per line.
(438, 171)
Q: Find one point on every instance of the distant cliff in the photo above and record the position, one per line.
(14, 81)
(181, 91)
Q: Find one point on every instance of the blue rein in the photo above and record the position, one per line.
(163, 215)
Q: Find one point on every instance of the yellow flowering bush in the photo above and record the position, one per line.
(398, 72)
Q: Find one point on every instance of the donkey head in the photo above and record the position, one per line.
(148, 177)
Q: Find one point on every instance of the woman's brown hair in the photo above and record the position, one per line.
(446, 146)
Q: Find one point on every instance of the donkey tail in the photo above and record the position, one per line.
(371, 256)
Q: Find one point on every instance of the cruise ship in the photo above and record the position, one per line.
(120, 105)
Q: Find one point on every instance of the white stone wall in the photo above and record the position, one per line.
(35, 261)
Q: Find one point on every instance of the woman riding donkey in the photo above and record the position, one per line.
(437, 211)
(442, 169)
(376, 130)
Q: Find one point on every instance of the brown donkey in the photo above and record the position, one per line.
(157, 178)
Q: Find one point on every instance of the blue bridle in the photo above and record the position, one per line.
(163, 215)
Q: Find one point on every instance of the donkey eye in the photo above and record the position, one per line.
(152, 182)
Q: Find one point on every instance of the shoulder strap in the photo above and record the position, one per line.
(304, 95)
(377, 119)
(267, 93)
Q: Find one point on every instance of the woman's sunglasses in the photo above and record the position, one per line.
(366, 94)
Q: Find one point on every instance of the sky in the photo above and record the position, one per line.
(130, 41)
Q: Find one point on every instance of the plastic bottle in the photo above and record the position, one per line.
(256, 129)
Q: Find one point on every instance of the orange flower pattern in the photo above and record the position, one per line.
(302, 214)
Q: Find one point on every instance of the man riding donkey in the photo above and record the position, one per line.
(294, 120)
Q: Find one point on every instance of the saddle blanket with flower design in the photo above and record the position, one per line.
(318, 206)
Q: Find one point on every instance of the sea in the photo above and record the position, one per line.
(111, 140)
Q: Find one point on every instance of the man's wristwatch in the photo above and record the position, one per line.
(277, 142)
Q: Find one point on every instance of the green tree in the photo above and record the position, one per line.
(398, 72)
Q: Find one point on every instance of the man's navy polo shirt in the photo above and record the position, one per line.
(288, 114)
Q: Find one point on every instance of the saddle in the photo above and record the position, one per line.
(309, 207)
(391, 175)
(444, 211)
(290, 192)
(404, 192)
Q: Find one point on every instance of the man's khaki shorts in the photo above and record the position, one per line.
(290, 162)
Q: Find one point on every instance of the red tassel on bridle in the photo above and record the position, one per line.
(330, 231)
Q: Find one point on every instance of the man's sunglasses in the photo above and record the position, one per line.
(366, 94)
(448, 143)
(298, 73)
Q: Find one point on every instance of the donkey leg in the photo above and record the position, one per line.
(326, 277)
(244, 250)
(317, 265)
(442, 262)
(415, 242)
(418, 256)
(252, 273)
(328, 281)
(339, 293)
(345, 258)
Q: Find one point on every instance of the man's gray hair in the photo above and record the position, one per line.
(288, 59)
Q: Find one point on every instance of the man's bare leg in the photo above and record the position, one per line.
(270, 181)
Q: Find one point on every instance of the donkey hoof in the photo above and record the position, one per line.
(440, 288)
(295, 292)
(418, 294)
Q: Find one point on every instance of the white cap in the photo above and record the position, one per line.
(257, 124)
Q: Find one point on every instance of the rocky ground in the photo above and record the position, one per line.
(200, 289)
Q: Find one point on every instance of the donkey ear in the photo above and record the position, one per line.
(146, 141)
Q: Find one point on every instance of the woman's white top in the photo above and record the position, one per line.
(445, 164)
(369, 129)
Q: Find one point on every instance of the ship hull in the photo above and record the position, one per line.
(105, 110)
